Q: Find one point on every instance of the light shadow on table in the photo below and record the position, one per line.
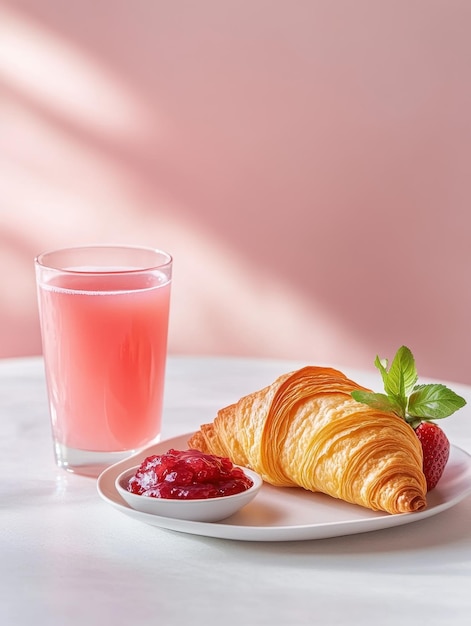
(443, 539)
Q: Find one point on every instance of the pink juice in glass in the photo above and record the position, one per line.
(105, 344)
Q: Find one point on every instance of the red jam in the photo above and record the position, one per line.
(188, 475)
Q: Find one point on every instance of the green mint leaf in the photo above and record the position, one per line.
(379, 401)
(382, 365)
(434, 401)
(402, 374)
(412, 402)
(400, 379)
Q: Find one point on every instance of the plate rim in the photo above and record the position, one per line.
(299, 532)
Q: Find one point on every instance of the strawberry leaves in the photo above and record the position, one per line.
(413, 402)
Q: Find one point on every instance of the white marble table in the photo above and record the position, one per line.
(66, 557)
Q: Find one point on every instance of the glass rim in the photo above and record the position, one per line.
(40, 259)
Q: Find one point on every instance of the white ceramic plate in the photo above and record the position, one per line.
(290, 514)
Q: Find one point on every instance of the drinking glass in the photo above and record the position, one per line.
(104, 314)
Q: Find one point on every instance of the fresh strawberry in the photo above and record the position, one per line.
(436, 449)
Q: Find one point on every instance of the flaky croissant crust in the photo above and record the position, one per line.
(306, 430)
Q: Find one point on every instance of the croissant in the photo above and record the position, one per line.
(306, 430)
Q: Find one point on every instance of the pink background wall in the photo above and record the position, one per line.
(307, 163)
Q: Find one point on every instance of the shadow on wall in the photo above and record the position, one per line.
(305, 167)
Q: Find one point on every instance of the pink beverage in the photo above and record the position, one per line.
(104, 334)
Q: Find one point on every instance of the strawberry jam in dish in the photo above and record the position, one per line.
(188, 475)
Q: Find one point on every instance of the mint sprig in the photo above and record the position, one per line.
(411, 401)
